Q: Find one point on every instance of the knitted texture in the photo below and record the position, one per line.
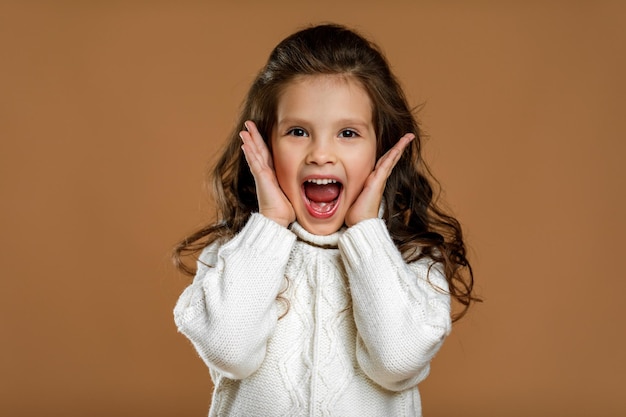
(355, 336)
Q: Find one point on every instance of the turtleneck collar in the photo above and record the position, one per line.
(327, 241)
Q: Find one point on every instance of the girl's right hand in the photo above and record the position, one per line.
(273, 203)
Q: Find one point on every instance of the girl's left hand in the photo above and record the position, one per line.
(367, 204)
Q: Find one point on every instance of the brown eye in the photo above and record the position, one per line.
(296, 131)
(348, 133)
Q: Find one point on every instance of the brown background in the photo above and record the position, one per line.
(111, 110)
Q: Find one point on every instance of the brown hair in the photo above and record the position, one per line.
(418, 226)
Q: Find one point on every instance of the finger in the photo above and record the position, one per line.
(389, 160)
(250, 151)
(254, 150)
(257, 139)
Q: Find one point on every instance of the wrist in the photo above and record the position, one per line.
(281, 220)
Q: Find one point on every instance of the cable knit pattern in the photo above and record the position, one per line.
(361, 328)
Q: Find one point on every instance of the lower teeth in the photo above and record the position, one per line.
(322, 206)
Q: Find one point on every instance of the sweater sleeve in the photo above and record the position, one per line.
(402, 311)
(229, 311)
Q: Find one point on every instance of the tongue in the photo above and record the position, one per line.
(321, 193)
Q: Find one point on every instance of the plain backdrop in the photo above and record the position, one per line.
(111, 112)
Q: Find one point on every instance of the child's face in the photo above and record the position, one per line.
(324, 147)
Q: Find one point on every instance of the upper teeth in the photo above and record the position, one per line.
(324, 181)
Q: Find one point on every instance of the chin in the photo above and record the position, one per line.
(324, 229)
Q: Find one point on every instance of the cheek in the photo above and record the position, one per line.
(366, 160)
(361, 165)
(285, 171)
(279, 168)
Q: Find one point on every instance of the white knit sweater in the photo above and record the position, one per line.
(357, 332)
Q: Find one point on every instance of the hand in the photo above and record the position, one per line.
(273, 203)
(367, 204)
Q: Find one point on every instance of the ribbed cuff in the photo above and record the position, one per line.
(266, 237)
(364, 238)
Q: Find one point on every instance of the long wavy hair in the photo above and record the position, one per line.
(418, 226)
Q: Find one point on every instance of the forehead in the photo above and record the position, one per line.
(306, 93)
(324, 81)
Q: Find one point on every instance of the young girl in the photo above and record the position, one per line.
(325, 288)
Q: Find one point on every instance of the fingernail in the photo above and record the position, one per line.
(245, 124)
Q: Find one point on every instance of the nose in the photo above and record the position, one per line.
(321, 151)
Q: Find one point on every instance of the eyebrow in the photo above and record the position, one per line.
(346, 122)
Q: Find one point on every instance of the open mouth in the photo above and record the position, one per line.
(322, 196)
